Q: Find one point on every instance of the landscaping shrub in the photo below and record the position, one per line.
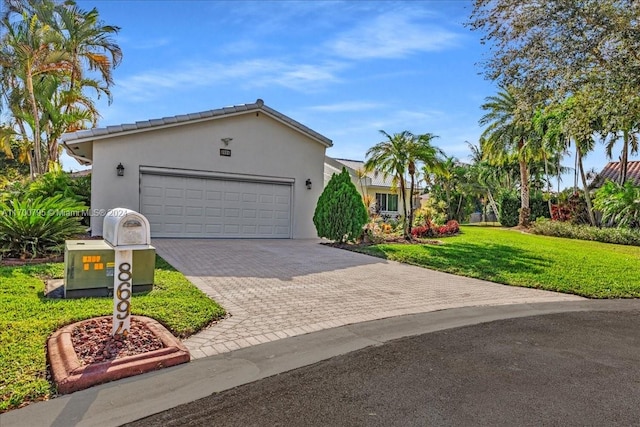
(57, 182)
(539, 206)
(619, 204)
(432, 230)
(340, 213)
(432, 210)
(37, 227)
(509, 204)
(620, 236)
(571, 206)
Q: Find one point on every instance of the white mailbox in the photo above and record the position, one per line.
(126, 231)
(124, 228)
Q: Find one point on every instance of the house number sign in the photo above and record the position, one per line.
(122, 287)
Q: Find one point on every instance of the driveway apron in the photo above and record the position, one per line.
(275, 289)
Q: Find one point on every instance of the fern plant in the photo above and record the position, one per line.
(38, 227)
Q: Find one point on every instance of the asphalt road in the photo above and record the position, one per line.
(580, 368)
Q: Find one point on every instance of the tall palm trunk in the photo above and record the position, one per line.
(624, 159)
(525, 211)
(493, 204)
(587, 197)
(403, 192)
(548, 178)
(412, 173)
(37, 149)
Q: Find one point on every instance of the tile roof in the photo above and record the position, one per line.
(377, 179)
(612, 170)
(90, 134)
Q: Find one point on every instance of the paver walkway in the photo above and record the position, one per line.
(275, 289)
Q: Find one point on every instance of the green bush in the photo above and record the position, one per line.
(539, 206)
(509, 205)
(56, 181)
(340, 213)
(32, 228)
(619, 204)
(620, 236)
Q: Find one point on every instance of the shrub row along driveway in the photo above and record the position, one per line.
(279, 288)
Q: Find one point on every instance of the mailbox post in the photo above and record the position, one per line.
(125, 231)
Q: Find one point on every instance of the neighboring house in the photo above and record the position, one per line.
(611, 172)
(383, 197)
(246, 171)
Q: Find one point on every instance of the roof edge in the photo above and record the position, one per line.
(178, 120)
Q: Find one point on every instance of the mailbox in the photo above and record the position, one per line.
(126, 229)
(127, 232)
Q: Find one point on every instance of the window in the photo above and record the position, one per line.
(387, 202)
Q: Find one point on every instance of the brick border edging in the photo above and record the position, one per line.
(70, 375)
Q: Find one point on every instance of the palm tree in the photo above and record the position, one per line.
(420, 151)
(88, 40)
(45, 55)
(390, 157)
(508, 131)
(575, 119)
(30, 50)
(486, 175)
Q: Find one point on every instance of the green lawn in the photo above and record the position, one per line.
(591, 269)
(27, 319)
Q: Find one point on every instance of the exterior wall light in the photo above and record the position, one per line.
(308, 183)
(120, 169)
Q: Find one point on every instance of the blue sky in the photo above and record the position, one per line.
(346, 69)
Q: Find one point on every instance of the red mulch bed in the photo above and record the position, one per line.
(93, 342)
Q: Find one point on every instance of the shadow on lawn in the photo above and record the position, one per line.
(475, 260)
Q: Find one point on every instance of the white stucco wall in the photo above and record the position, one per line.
(261, 146)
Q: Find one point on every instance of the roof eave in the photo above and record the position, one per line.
(168, 122)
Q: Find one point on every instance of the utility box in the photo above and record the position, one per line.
(89, 267)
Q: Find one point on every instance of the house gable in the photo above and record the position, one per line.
(79, 145)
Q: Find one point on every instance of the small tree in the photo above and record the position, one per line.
(340, 213)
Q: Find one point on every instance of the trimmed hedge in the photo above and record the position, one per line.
(509, 205)
(619, 236)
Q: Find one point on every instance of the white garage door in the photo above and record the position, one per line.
(179, 206)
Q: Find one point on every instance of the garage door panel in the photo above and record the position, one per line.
(231, 196)
(249, 213)
(173, 210)
(232, 229)
(193, 228)
(232, 213)
(194, 195)
(201, 207)
(249, 197)
(214, 195)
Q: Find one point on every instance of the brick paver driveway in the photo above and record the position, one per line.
(279, 288)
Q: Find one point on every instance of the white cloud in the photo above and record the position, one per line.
(349, 106)
(248, 74)
(392, 36)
